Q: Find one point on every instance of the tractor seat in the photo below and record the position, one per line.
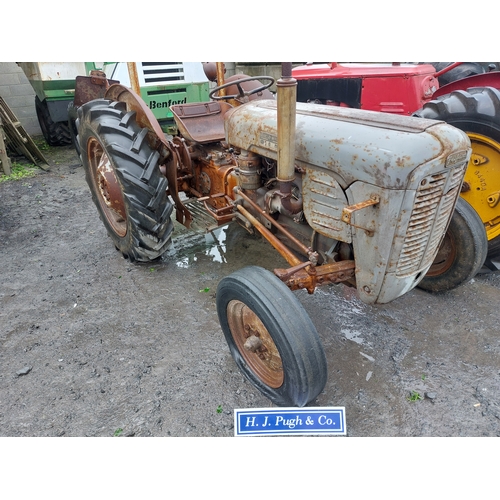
(201, 121)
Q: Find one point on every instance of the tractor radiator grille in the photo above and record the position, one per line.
(434, 202)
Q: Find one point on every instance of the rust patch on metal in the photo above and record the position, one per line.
(110, 189)
(348, 211)
(255, 344)
(431, 213)
(309, 279)
(313, 256)
(88, 88)
(324, 201)
(287, 254)
(201, 122)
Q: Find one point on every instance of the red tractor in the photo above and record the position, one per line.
(465, 95)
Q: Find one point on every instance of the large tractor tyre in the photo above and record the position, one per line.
(123, 174)
(493, 258)
(477, 112)
(72, 116)
(271, 338)
(462, 252)
(462, 71)
(55, 133)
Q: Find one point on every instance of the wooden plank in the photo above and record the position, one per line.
(18, 138)
(5, 163)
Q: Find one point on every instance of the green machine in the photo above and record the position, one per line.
(162, 84)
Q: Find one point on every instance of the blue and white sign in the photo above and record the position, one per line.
(287, 421)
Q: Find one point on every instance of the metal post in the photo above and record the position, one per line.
(220, 77)
(287, 97)
(134, 77)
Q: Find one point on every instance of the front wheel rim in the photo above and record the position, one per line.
(107, 187)
(255, 344)
(444, 258)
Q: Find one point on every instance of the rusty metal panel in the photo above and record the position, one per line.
(412, 167)
(324, 201)
(425, 214)
(357, 145)
(88, 88)
(376, 231)
(407, 229)
(201, 122)
(434, 202)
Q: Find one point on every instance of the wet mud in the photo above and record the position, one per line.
(93, 345)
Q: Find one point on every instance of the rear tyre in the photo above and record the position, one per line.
(492, 262)
(476, 112)
(465, 70)
(271, 338)
(461, 254)
(55, 133)
(72, 116)
(125, 180)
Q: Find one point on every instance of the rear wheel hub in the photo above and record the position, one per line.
(108, 189)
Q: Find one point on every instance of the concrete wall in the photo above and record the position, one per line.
(19, 95)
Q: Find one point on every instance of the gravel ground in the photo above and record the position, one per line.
(92, 345)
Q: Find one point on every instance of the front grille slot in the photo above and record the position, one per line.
(434, 202)
(163, 73)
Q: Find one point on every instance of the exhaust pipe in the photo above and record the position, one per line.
(286, 103)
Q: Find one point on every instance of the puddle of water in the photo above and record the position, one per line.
(230, 246)
(352, 335)
(218, 247)
(191, 247)
(186, 251)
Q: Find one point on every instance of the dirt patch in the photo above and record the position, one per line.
(92, 345)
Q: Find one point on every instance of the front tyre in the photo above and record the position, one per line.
(271, 338)
(123, 174)
(462, 252)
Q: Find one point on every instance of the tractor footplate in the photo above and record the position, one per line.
(205, 218)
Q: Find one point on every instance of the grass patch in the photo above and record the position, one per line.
(20, 171)
(414, 396)
(41, 143)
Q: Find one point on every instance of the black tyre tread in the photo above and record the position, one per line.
(300, 346)
(55, 133)
(143, 186)
(72, 116)
(494, 247)
(473, 110)
(472, 250)
(463, 71)
(476, 110)
(492, 262)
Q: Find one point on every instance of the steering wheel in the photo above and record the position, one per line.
(243, 93)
